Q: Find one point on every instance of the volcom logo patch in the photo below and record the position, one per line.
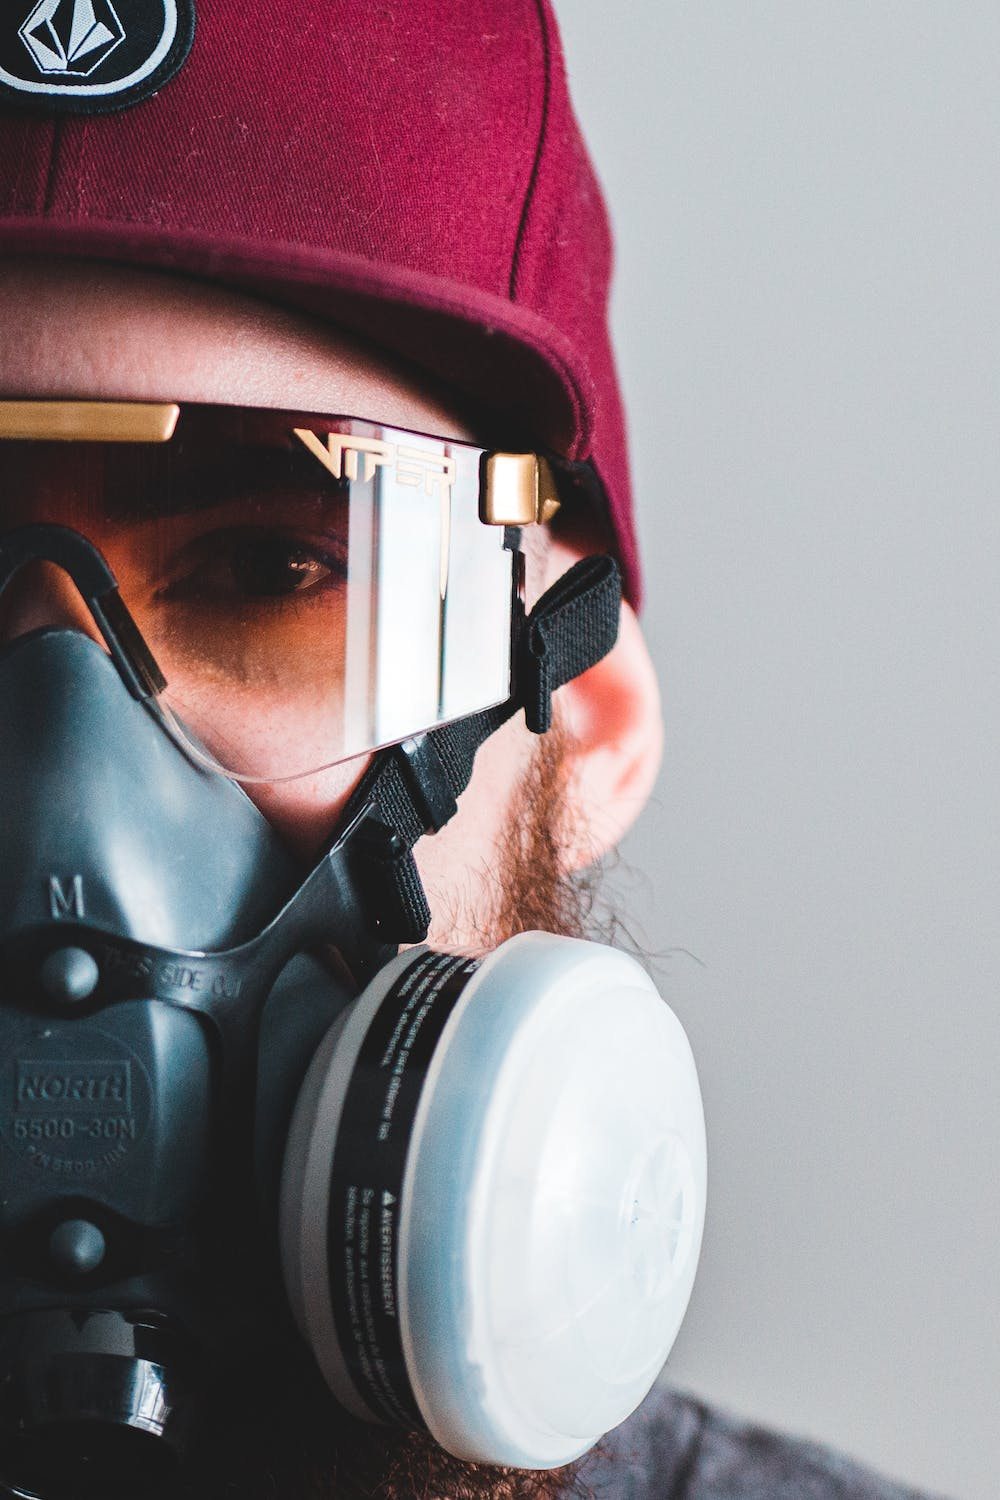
(71, 36)
(91, 56)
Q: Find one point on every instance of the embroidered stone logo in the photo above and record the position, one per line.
(71, 36)
(91, 56)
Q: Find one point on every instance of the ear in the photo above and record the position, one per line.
(612, 719)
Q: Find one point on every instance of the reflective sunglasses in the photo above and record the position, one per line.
(311, 587)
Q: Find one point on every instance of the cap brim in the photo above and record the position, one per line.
(484, 346)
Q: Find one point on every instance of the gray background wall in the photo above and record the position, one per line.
(807, 313)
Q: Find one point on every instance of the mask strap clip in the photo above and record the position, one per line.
(427, 778)
(387, 874)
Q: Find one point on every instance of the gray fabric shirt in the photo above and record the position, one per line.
(675, 1448)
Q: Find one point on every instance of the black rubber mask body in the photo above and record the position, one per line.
(166, 977)
(148, 914)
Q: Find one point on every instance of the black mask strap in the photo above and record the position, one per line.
(413, 788)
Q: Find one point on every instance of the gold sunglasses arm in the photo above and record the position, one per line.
(89, 421)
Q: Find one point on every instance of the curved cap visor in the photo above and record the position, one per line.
(419, 177)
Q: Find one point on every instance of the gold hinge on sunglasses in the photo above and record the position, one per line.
(520, 489)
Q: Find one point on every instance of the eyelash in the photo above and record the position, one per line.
(221, 548)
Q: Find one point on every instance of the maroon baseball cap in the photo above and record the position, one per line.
(413, 172)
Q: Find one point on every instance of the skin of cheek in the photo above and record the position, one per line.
(305, 812)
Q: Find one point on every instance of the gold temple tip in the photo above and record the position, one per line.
(89, 421)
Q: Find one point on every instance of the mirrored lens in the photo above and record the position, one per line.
(310, 587)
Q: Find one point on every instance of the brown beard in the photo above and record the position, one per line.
(297, 1445)
(533, 892)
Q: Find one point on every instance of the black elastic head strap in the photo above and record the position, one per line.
(413, 788)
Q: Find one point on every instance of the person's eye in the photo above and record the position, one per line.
(241, 564)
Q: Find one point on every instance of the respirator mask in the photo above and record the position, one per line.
(229, 1106)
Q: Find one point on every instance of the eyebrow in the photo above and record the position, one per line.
(148, 482)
